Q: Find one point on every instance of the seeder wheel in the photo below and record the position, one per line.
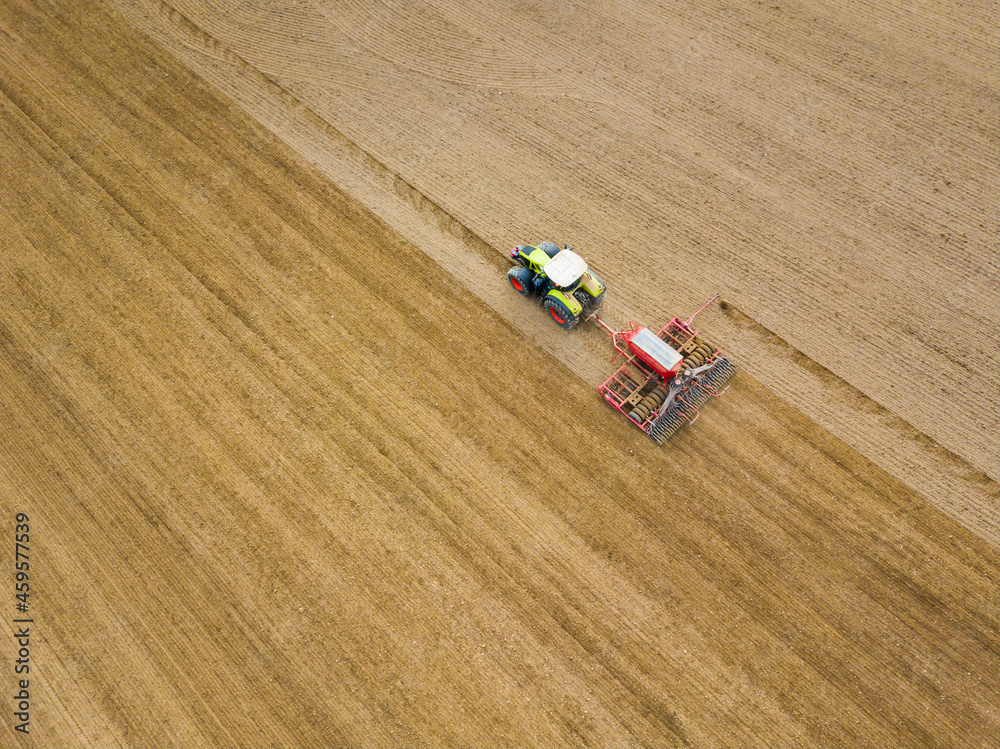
(710, 345)
(654, 399)
(639, 414)
(694, 361)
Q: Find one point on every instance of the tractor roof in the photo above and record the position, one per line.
(565, 268)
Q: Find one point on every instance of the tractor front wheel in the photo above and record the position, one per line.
(560, 313)
(522, 279)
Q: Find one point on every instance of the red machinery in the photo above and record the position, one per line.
(667, 376)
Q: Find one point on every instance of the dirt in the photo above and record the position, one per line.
(829, 170)
(301, 471)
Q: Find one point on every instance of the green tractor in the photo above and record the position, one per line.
(559, 278)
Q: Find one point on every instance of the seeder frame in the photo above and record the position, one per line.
(657, 404)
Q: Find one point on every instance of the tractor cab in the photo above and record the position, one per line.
(537, 257)
(565, 270)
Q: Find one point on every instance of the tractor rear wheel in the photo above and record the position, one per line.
(589, 302)
(560, 313)
(522, 279)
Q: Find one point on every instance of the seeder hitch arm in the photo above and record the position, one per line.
(614, 336)
(687, 323)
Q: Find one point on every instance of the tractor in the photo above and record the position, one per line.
(559, 278)
(666, 376)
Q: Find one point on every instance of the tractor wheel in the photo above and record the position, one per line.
(549, 248)
(560, 313)
(522, 279)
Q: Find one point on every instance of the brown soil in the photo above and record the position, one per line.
(300, 471)
(832, 170)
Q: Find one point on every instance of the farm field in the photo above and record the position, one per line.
(302, 471)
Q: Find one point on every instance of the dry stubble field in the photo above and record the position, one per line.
(291, 483)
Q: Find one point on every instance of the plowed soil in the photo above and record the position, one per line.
(301, 471)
